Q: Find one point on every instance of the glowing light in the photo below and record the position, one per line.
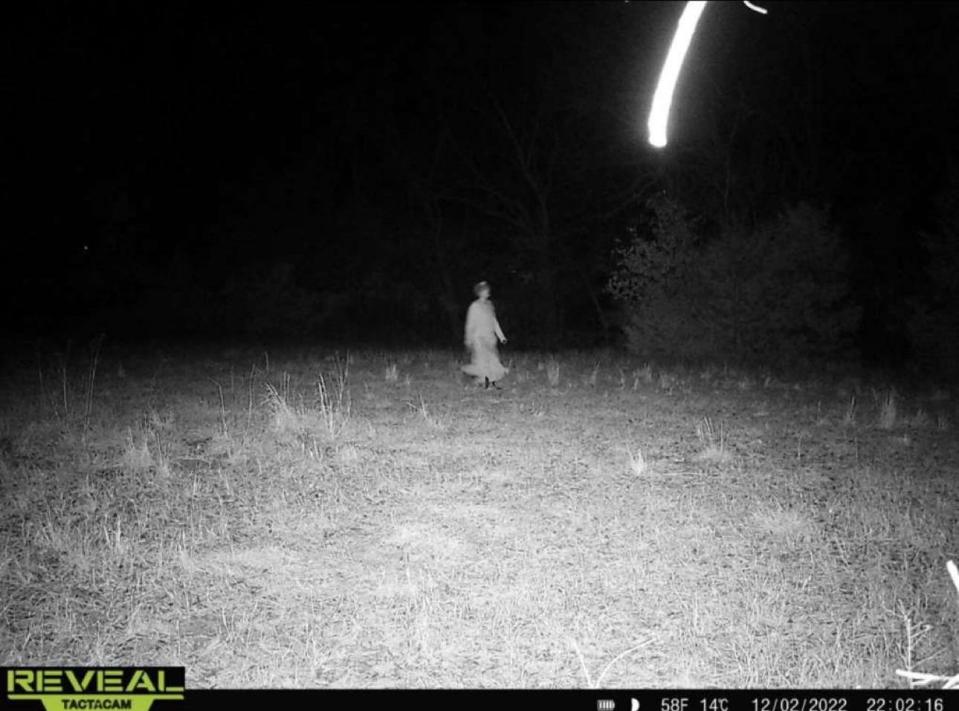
(663, 98)
(755, 8)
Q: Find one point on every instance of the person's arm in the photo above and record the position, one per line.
(499, 331)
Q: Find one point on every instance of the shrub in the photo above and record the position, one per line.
(658, 255)
(778, 290)
(933, 320)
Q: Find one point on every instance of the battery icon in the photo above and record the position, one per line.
(605, 705)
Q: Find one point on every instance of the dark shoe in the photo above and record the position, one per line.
(486, 387)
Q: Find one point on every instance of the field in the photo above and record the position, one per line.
(317, 518)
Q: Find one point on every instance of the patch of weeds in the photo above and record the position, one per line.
(849, 416)
(713, 442)
(888, 411)
(667, 381)
(593, 376)
(552, 372)
(637, 462)
(642, 375)
(914, 634)
(284, 417)
(334, 401)
(423, 411)
(136, 456)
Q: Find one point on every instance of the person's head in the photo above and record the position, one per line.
(482, 290)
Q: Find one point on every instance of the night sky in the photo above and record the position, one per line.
(349, 171)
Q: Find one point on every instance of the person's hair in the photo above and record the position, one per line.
(480, 286)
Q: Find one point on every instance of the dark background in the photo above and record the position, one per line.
(349, 171)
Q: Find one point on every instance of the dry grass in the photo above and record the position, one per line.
(849, 416)
(888, 411)
(593, 378)
(914, 634)
(552, 372)
(637, 462)
(642, 375)
(713, 442)
(391, 374)
(300, 520)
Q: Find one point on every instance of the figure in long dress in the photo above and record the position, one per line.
(482, 332)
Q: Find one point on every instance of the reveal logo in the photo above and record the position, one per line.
(92, 689)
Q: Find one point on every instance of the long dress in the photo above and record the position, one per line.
(482, 332)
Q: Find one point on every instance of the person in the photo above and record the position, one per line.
(482, 332)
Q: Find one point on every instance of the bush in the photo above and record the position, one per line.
(658, 255)
(933, 318)
(777, 291)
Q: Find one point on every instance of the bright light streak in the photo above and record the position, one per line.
(755, 8)
(663, 98)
